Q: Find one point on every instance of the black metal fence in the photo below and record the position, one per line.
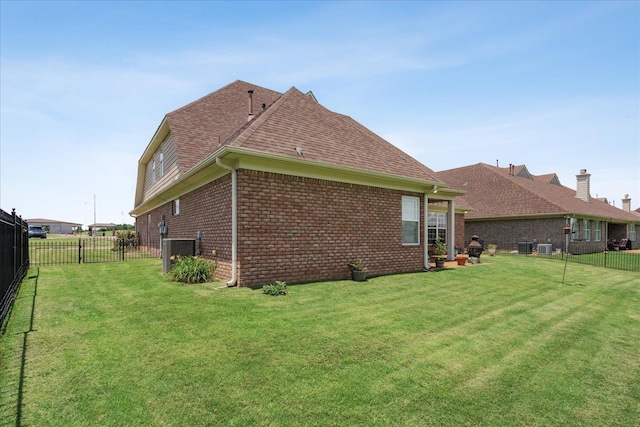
(628, 260)
(88, 250)
(14, 258)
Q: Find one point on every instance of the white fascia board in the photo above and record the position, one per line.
(207, 171)
(265, 162)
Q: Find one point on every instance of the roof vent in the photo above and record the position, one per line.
(250, 92)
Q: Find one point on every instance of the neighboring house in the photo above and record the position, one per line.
(55, 227)
(510, 205)
(280, 188)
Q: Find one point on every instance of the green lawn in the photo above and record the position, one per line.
(501, 343)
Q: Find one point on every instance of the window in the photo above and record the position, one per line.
(574, 229)
(633, 236)
(586, 231)
(161, 162)
(176, 207)
(436, 226)
(410, 220)
(597, 231)
(153, 172)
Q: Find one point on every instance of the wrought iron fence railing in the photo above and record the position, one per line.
(14, 258)
(595, 254)
(89, 250)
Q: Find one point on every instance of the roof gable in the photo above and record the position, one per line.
(201, 127)
(296, 126)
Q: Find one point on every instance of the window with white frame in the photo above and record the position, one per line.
(161, 164)
(436, 226)
(410, 220)
(633, 235)
(586, 231)
(176, 207)
(153, 171)
(574, 229)
(597, 231)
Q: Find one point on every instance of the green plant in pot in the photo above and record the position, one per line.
(439, 252)
(358, 271)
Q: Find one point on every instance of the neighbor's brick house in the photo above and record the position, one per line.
(312, 189)
(510, 205)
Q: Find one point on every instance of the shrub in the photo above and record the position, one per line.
(275, 289)
(190, 269)
(126, 238)
(357, 265)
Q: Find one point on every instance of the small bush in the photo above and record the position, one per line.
(190, 269)
(126, 238)
(275, 289)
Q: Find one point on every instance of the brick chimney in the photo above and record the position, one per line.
(583, 187)
(626, 203)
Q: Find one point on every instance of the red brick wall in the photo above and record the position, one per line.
(296, 229)
(299, 229)
(207, 209)
(509, 232)
(460, 243)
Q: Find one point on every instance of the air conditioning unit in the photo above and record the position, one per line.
(545, 248)
(173, 247)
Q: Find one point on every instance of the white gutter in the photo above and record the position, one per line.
(234, 222)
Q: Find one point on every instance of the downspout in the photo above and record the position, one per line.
(234, 222)
(426, 233)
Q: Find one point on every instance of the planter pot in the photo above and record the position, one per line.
(440, 262)
(462, 259)
(358, 276)
(492, 251)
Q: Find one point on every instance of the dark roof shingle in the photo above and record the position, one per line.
(493, 192)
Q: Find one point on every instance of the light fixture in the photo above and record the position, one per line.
(435, 189)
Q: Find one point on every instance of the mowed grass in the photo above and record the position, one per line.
(501, 343)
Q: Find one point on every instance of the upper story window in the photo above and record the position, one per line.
(436, 226)
(153, 171)
(410, 220)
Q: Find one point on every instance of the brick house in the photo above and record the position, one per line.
(510, 205)
(281, 188)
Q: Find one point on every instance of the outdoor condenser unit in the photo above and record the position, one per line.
(173, 247)
(545, 248)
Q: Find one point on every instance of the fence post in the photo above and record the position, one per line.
(79, 250)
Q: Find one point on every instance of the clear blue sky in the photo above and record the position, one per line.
(84, 85)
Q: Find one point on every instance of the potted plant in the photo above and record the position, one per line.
(440, 252)
(492, 249)
(462, 259)
(358, 271)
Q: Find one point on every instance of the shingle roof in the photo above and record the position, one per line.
(296, 120)
(493, 192)
(200, 128)
(289, 120)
